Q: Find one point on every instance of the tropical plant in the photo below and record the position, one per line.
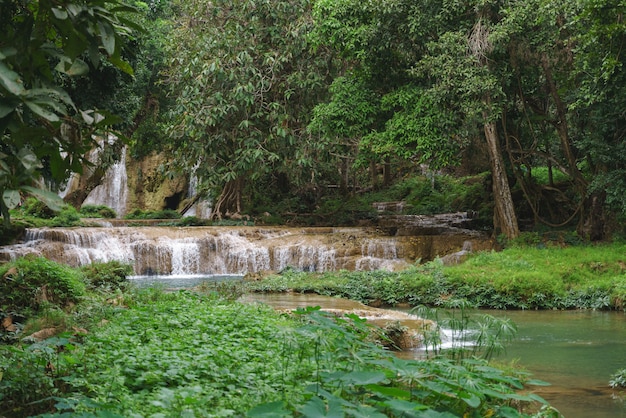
(244, 78)
(618, 379)
(43, 132)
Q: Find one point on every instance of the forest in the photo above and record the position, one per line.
(306, 112)
(295, 102)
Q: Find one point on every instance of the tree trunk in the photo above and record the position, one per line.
(505, 218)
(229, 200)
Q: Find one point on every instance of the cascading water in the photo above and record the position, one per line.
(216, 250)
(113, 191)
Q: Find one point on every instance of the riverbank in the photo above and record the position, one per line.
(146, 352)
(527, 277)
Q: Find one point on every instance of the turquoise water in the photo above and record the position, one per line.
(182, 281)
(577, 352)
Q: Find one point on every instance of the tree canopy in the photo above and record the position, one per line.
(44, 45)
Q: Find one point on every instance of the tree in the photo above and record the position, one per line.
(434, 54)
(43, 44)
(243, 78)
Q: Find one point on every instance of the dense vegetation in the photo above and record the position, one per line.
(96, 346)
(577, 277)
(299, 103)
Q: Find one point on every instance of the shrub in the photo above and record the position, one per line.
(37, 209)
(151, 214)
(67, 217)
(111, 275)
(97, 211)
(28, 283)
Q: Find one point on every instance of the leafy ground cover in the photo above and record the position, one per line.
(528, 277)
(125, 352)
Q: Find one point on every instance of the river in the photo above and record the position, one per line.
(575, 351)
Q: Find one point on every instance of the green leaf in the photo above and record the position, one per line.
(107, 36)
(11, 198)
(52, 200)
(121, 64)
(10, 80)
(363, 378)
(471, 399)
(7, 106)
(73, 68)
(269, 410)
(59, 13)
(44, 113)
(537, 382)
(317, 408)
(28, 159)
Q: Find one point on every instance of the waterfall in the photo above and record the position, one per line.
(113, 191)
(201, 208)
(214, 250)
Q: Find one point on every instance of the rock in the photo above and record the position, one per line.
(459, 256)
(8, 325)
(40, 335)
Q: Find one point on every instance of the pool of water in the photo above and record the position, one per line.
(180, 281)
(575, 351)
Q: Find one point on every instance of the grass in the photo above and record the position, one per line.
(578, 277)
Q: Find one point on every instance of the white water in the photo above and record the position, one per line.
(113, 192)
(214, 250)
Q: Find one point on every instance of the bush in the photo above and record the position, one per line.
(97, 211)
(108, 276)
(28, 283)
(67, 217)
(37, 209)
(151, 214)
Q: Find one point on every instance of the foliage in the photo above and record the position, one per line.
(184, 353)
(544, 277)
(618, 379)
(107, 276)
(97, 211)
(244, 79)
(153, 214)
(43, 132)
(29, 283)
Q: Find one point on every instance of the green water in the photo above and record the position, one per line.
(576, 351)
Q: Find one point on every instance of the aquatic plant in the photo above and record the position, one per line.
(618, 379)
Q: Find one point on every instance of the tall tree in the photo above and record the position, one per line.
(244, 79)
(41, 44)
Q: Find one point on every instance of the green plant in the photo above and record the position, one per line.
(30, 282)
(97, 211)
(151, 214)
(618, 379)
(68, 216)
(37, 208)
(107, 276)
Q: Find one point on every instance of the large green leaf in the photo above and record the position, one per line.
(43, 112)
(52, 200)
(11, 198)
(107, 36)
(316, 407)
(10, 80)
(28, 159)
(7, 106)
(269, 410)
